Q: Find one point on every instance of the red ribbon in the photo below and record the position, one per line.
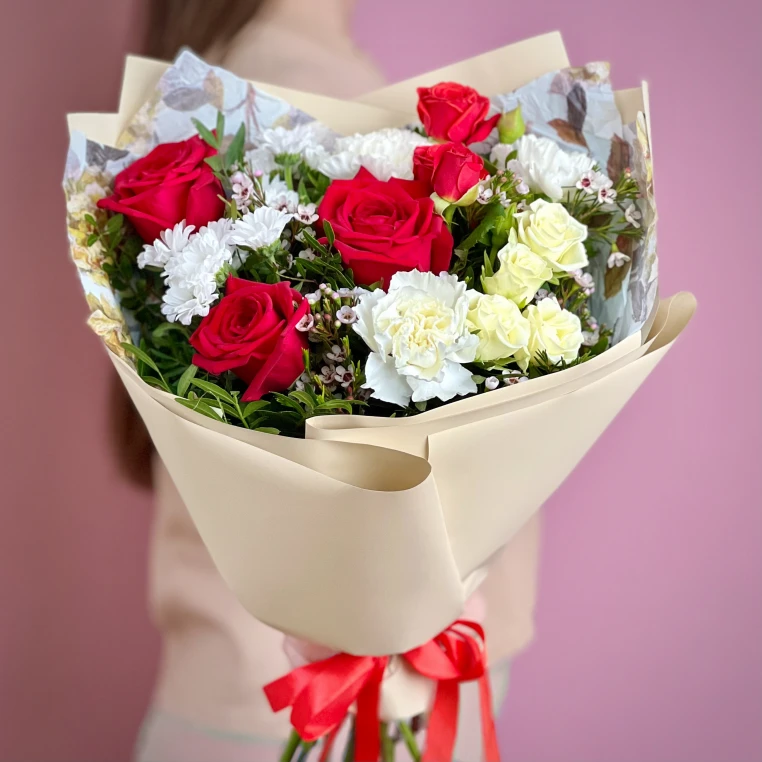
(451, 658)
(321, 693)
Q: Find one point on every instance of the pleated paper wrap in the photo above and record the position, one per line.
(369, 535)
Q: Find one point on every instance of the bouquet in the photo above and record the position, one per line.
(369, 346)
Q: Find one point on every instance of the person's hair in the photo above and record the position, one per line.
(171, 25)
(197, 24)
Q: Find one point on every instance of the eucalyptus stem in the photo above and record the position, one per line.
(307, 747)
(293, 743)
(387, 744)
(409, 738)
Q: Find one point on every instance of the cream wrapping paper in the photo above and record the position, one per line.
(368, 536)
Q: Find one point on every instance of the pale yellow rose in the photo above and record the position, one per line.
(550, 231)
(521, 272)
(553, 330)
(502, 329)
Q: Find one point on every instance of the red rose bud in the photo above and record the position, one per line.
(252, 331)
(170, 184)
(450, 111)
(382, 228)
(450, 170)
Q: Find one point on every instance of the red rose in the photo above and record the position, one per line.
(171, 184)
(449, 169)
(252, 331)
(384, 227)
(450, 111)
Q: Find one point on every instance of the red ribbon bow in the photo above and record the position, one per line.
(321, 693)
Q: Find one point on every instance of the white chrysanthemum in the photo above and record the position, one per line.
(222, 230)
(547, 168)
(279, 140)
(260, 160)
(418, 337)
(171, 242)
(259, 228)
(385, 154)
(278, 196)
(191, 277)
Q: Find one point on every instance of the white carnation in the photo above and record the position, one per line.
(191, 276)
(499, 154)
(385, 154)
(259, 228)
(170, 242)
(419, 339)
(547, 168)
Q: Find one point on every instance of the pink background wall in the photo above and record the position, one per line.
(650, 618)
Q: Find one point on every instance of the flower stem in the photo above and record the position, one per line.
(409, 738)
(387, 744)
(307, 747)
(293, 743)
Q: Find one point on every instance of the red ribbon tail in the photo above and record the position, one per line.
(325, 752)
(443, 723)
(367, 735)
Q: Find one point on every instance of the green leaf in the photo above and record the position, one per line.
(206, 134)
(184, 381)
(213, 389)
(304, 398)
(115, 223)
(159, 383)
(267, 430)
(252, 407)
(420, 406)
(286, 401)
(313, 243)
(304, 197)
(329, 234)
(487, 271)
(141, 355)
(494, 210)
(161, 331)
(90, 220)
(200, 406)
(92, 238)
(220, 127)
(215, 162)
(235, 149)
(336, 405)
